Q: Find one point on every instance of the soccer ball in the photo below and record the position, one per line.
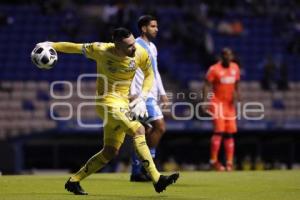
(44, 56)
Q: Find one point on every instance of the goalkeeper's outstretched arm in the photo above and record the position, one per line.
(67, 47)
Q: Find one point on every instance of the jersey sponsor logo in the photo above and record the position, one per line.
(227, 80)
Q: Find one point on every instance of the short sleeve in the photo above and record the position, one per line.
(210, 75)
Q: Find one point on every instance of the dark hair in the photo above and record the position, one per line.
(225, 49)
(120, 33)
(145, 20)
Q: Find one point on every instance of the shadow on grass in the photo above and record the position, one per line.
(67, 196)
(184, 185)
(146, 197)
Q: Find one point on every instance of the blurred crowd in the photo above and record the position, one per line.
(191, 30)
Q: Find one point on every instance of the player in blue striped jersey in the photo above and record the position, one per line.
(148, 27)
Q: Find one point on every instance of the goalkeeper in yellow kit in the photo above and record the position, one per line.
(117, 62)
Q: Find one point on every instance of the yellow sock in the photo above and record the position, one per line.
(92, 165)
(143, 153)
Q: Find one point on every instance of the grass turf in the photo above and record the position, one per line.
(262, 185)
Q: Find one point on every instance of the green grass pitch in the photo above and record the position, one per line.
(262, 185)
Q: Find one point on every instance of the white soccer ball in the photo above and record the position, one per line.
(44, 56)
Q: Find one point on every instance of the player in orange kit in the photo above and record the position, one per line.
(224, 78)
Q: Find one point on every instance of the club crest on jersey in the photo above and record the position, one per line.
(131, 64)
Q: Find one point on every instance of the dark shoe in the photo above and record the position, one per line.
(139, 178)
(217, 166)
(165, 181)
(229, 167)
(75, 188)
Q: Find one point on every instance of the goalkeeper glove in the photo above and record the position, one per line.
(138, 108)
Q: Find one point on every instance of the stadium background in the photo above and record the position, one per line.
(263, 34)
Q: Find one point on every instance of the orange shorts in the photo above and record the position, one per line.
(224, 117)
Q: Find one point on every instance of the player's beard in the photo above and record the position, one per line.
(151, 36)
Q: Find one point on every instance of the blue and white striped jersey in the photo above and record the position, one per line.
(157, 88)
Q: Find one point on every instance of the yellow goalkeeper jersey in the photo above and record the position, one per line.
(116, 73)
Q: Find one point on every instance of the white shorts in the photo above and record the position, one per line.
(154, 111)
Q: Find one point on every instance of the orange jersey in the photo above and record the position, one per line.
(223, 80)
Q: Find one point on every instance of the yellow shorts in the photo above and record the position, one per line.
(116, 124)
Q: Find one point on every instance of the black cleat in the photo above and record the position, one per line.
(75, 188)
(165, 181)
(139, 178)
